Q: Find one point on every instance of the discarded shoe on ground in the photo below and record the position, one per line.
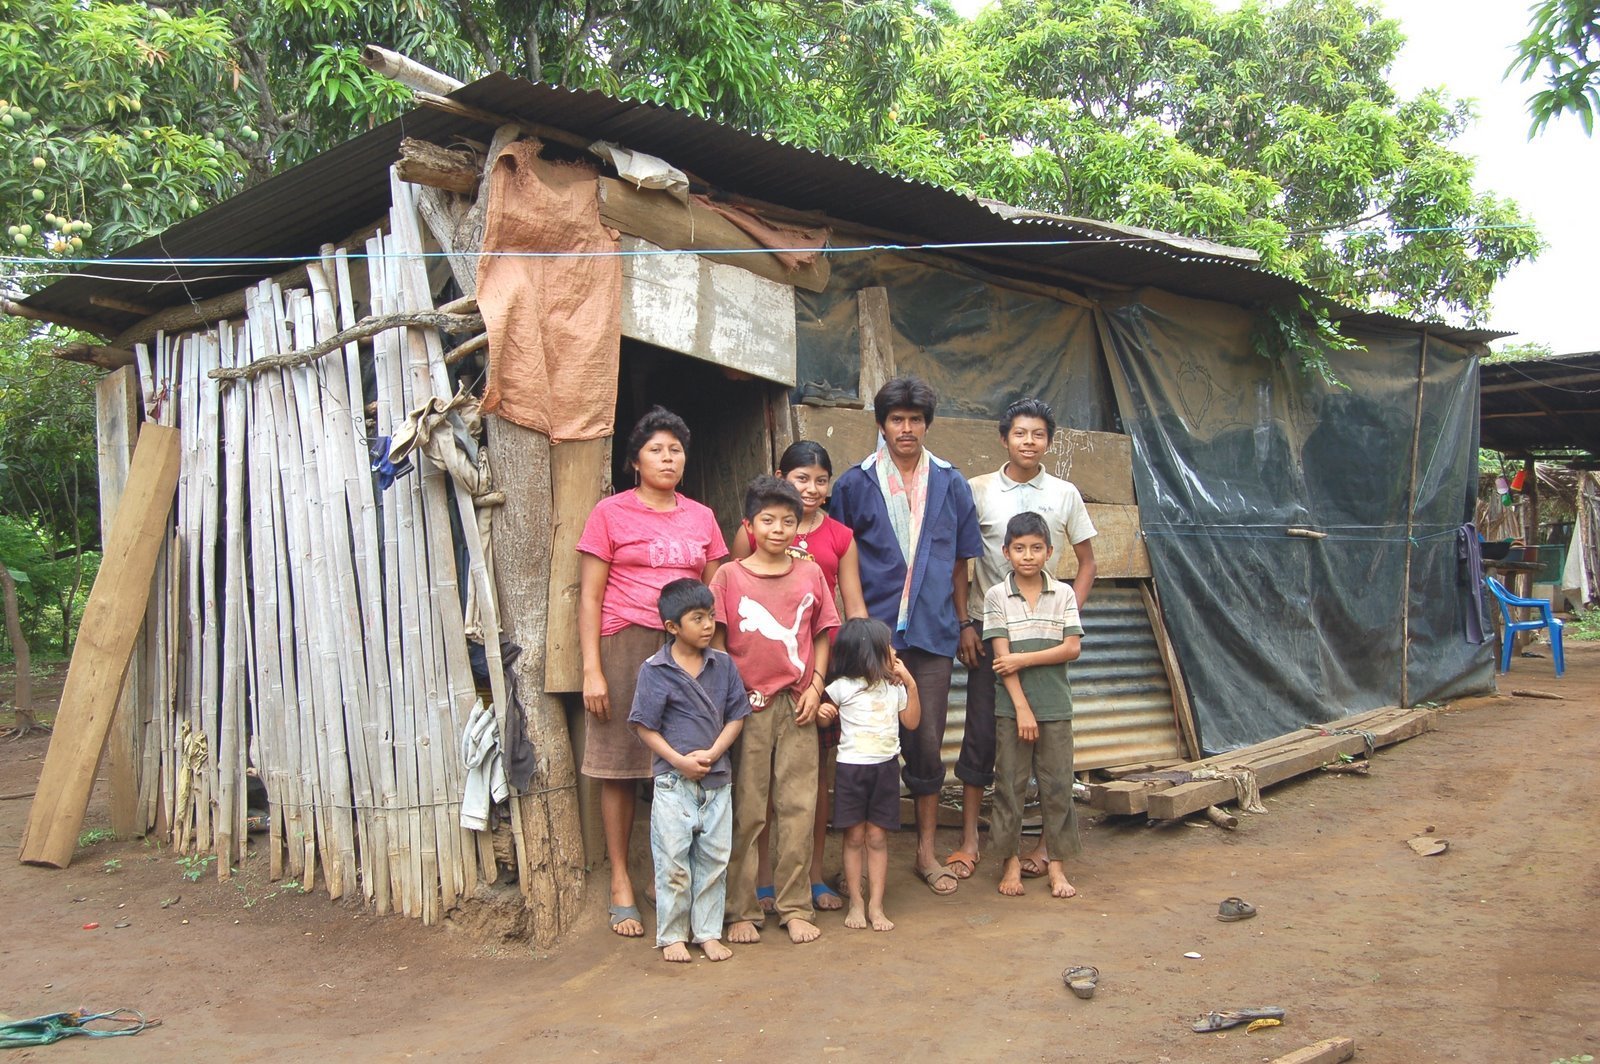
(1221, 1021)
(1082, 980)
(1233, 909)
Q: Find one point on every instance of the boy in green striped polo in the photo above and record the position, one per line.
(1032, 617)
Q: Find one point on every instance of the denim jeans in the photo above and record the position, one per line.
(691, 836)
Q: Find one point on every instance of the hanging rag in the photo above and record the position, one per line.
(447, 431)
(516, 750)
(1245, 785)
(1469, 556)
(486, 773)
(644, 171)
(554, 323)
(793, 246)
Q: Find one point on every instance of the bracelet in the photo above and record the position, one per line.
(969, 623)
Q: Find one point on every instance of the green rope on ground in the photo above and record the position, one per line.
(43, 1030)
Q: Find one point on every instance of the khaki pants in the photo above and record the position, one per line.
(776, 757)
(1049, 760)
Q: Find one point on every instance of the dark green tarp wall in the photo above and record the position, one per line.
(1231, 449)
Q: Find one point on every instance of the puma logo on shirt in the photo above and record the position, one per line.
(754, 617)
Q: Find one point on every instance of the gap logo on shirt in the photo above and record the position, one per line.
(677, 554)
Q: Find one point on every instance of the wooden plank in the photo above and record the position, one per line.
(667, 222)
(1130, 797)
(100, 657)
(877, 343)
(1099, 463)
(580, 476)
(1182, 711)
(1327, 1051)
(1119, 546)
(116, 403)
(1191, 797)
(722, 315)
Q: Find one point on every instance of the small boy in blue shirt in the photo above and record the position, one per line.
(688, 708)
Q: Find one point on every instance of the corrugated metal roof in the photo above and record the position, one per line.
(1541, 406)
(346, 188)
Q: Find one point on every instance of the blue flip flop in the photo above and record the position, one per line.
(767, 898)
(822, 890)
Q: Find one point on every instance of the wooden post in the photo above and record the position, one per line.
(116, 403)
(877, 342)
(1530, 521)
(100, 657)
(1411, 518)
(519, 461)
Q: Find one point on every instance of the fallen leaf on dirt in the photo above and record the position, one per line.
(170, 902)
(1427, 845)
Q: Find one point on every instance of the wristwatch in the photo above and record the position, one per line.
(970, 623)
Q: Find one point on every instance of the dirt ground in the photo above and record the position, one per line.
(1486, 953)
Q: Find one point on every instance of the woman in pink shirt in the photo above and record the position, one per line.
(634, 544)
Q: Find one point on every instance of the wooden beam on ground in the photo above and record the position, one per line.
(116, 403)
(1192, 797)
(106, 635)
(1126, 797)
(671, 223)
(1327, 1051)
(580, 476)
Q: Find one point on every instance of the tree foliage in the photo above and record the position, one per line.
(49, 509)
(1563, 48)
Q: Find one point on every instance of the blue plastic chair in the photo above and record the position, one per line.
(1546, 619)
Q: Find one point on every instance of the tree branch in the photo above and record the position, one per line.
(359, 331)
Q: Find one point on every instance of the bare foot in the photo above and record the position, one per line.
(880, 922)
(825, 898)
(802, 930)
(744, 932)
(715, 950)
(856, 918)
(1011, 879)
(677, 952)
(1059, 887)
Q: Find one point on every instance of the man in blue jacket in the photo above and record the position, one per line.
(915, 528)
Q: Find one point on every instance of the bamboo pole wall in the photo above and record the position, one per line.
(308, 629)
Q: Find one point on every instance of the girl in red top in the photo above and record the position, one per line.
(832, 546)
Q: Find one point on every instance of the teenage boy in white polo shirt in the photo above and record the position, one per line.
(1021, 485)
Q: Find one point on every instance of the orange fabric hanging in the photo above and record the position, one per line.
(554, 324)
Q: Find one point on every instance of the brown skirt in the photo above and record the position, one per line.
(610, 749)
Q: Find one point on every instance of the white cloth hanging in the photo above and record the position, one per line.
(486, 771)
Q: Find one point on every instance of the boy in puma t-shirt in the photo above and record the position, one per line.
(773, 614)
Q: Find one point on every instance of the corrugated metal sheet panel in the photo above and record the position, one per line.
(347, 187)
(1121, 700)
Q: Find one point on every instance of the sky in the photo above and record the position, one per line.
(1465, 46)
